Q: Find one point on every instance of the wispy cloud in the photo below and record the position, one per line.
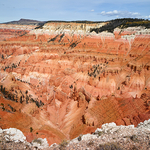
(117, 13)
(73, 10)
(147, 17)
(92, 10)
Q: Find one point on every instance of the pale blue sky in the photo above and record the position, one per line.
(69, 10)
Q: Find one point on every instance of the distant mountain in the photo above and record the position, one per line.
(26, 22)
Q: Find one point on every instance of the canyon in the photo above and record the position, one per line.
(60, 80)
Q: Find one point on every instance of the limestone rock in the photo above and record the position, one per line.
(144, 125)
(40, 143)
(13, 134)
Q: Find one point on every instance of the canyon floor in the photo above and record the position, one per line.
(60, 80)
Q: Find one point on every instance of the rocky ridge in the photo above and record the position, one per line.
(109, 136)
(66, 81)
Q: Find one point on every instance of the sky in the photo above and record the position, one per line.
(72, 10)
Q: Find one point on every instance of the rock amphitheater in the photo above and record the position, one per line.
(61, 80)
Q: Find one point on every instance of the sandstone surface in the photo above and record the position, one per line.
(61, 80)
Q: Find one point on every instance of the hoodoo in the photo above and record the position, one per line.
(63, 79)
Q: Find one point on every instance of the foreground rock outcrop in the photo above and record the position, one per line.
(61, 80)
(109, 136)
(13, 138)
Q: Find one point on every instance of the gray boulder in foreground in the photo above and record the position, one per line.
(40, 143)
(144, 125)
(15, 135)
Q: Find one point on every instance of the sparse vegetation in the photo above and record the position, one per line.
(96, 70)
(53, 39)
(134, 138)
(2, 56)
(39, 27)
(61, 37)
(100, 133)
(109, 146)
(63, 144)
(3, 108)
(39, 103)
(122, 23)
(14, 97)
(10, 67)
(80, 137)
(2, 104)
(144, 23)
(12, 109)
(31, 129)
(71, 86)
(74, 44)
(90, 143)
(37, 141)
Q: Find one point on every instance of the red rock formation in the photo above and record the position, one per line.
(62, 84)
(9, 30)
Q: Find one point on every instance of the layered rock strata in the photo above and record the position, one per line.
(61, 80)
(9, 30)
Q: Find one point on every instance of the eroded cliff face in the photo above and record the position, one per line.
(10, 30)
(62, 81)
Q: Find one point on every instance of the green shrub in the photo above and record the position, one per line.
(80, 138)
(31, 129)
(100, 133)
(2, 104)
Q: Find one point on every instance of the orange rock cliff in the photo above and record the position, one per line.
(61, 80)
